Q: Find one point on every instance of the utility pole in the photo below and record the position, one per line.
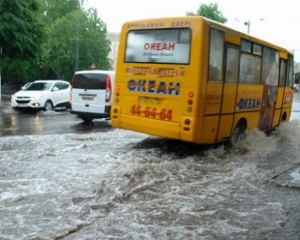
(0, 50)
(77, 47)
(248, 26)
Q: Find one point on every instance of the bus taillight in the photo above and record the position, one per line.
(190, 101)
(191, 94)
(187, 121)
(189, 109)
(117, 93)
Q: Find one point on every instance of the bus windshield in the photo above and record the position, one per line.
(159, 46)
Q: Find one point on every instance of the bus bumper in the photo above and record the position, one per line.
(165, 129)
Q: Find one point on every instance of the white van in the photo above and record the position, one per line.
(91, 94)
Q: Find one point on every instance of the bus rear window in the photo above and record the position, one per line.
(159, 46)
(89, 81)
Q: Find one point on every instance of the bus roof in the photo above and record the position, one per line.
(186, 21)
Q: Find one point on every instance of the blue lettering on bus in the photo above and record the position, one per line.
(162, 88)
(174, 88)
(249, 103)
(131, 85)
(152, 86)
(141, 86)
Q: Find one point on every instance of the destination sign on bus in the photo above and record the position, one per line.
(159, 72)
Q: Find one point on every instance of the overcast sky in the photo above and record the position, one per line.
(280, 24)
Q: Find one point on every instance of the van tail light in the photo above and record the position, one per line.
(71, 88)
(72, 82)
(108, 89)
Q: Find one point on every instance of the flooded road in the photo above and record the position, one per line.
(42, 123)
(120, 184)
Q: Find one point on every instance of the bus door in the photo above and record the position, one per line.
(222, 83)
(214, 87)
(232, 53)
(281, 91)
(288, 90)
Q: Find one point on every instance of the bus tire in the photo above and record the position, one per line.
(283, 118)
(238, 133)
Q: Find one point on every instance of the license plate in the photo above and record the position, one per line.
(87, 98)
(22, 104)
(151, 101)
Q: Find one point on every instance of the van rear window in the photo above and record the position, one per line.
(90, 81)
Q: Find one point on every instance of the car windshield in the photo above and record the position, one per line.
(26, 85)
(39, 86)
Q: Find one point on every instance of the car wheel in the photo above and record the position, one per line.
(48, 106)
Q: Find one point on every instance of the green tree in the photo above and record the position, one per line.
(54, 9)
(209, 11)
(44, 39)
(21, 35)
(75, 42)
(20, 31)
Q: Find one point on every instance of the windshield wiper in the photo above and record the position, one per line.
(87, 84)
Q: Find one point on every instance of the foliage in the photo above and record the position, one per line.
(44, 39)
(21, 35)
(19, 71)
(75, 42)
(210, 11)
(20, 31)
(54, 9)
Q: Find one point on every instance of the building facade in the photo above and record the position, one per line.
(114, 39)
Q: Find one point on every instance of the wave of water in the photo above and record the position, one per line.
(126, 185)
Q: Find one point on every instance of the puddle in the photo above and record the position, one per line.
(295, 175)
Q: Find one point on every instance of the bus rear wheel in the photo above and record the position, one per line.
(238, 134)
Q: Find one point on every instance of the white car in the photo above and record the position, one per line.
(92, 94)
(43, 95)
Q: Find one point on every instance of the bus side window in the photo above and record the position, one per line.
(270, 66)
(232, 63)
(282, 73)
(290, 81)
(216, 55)
(250, 68)
(250, 62)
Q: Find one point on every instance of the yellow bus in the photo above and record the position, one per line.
(196, 80)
